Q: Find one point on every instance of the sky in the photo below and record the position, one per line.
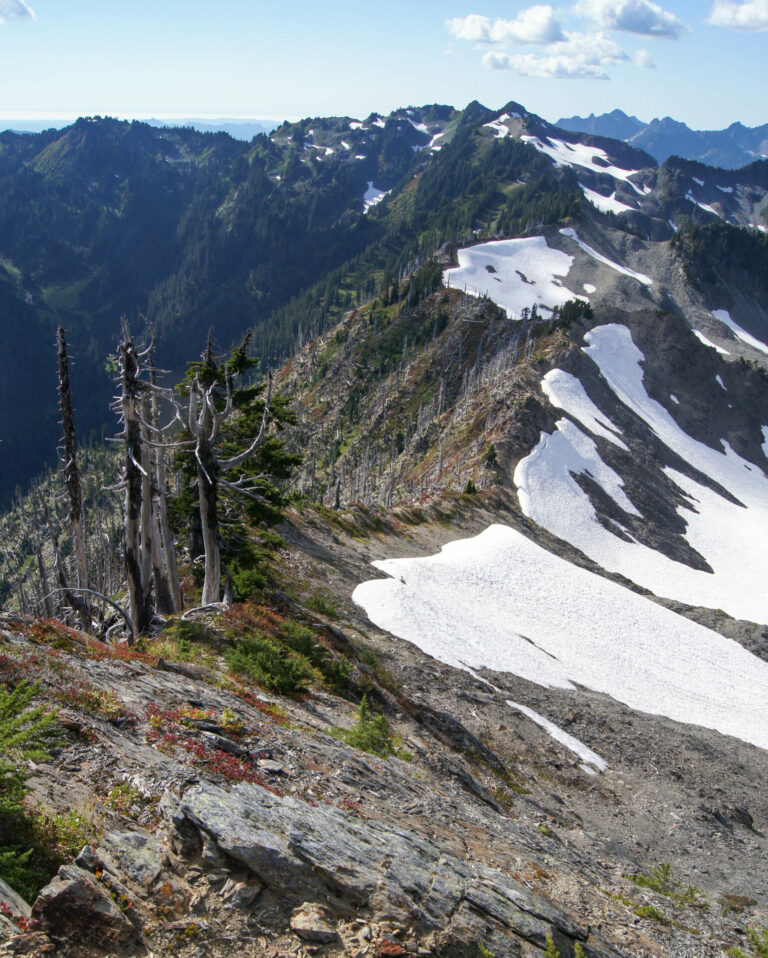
(704, 62)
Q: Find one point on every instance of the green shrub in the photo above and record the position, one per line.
(370, 733)
(24, 731)
(649, 911)
(247, 581)
(758, 941)
(660, 879)
(318, 604)
(266, 663)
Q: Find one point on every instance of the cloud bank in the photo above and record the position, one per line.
(749, 15)
(641, 17)
(15, 10)
(571, 54)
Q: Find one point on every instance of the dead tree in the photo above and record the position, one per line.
(69, 460)
(131, 397)
(165, 568)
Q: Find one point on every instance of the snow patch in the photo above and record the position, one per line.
(674, 399)
(434, 145)
(765, 441)
(640, 277)
(566, 392)
(702, 206)
(546, 476)
(515, 274)
(606, 204)
(719, 381)
(356, 125)
(499, 126)
(502, 602)
(373, 196)
(732, 536)
(586, 157)
(708, 342)
(697, 180)
(573, 744)
(589, 288)
(725, 317)
(421, 127)
(726, 189)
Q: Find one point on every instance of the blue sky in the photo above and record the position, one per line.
(702, 61)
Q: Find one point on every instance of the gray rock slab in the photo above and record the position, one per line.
(14, 900)
(138, 854)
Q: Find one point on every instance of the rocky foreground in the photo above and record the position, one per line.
(226, 820)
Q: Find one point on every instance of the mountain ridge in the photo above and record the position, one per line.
(731, 148)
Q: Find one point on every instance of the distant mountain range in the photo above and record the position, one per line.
(730, 149)
(238, 129)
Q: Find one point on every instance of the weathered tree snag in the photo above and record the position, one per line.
(167, 586)
(73, 600)
(146, 539)
(71, 471)
(139, 590)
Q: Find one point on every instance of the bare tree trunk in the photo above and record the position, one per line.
(207, 486)
(71, 472)
(138, 590)
(74, 601)
(166, 544)
(147, 526)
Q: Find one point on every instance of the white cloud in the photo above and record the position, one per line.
(633, 16)
(15, 10)
(537, 24)
(749, 15)
(474, 28)
(642, 58)
(590, 48)
(577, 55)
(557, 67)
(562, 53)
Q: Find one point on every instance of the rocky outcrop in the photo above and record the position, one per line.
(76, 907)
(309, 852)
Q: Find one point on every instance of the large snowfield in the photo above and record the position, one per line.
(515, 274)
(502, 602)
(731, 534)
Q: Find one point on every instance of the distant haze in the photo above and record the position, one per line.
(240, 128)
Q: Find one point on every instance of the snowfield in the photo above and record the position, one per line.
(728, 528)
(514, 274)
(606, 204)
(566, 392)
(500, 601)
(583, 156)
